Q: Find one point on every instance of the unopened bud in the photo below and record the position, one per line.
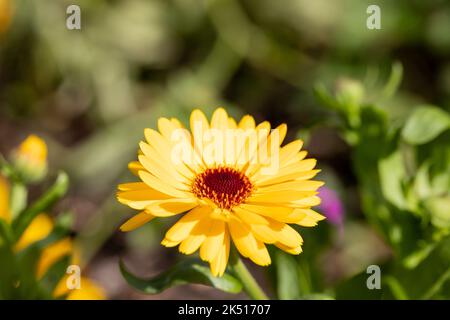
(30, 158)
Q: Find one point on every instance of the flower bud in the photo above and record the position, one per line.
(30, 159)
(349, 91)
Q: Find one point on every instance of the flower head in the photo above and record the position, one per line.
(30, 158)
(233, 182)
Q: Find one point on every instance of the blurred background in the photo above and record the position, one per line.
(90, 93)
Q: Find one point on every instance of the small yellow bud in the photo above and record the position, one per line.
(30, 158)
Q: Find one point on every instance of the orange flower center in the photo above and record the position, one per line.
(226, 187)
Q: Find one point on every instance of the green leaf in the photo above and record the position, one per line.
(392, 172)
(439, 208)
(394, 80)
(395, 287)
(425, 124)
(8, 263)
(54, 274)
(422, 186)
(429, 276)
(27, 261)
(415, 258)
(56, 191)
(287, 276)
(324, 97)
(6, 236)
(187, 271)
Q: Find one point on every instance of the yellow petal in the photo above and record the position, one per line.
(52, 254)
(214, 240)
(289, 151)
(219, 119)
(275, 212)
(191, 243)
(162, 150)
(176, 123)
(167, 208)
(306, 202)
(280, 196)
(295, 159)
(165, 173)
(135, 167)
(262, 133)
(130, 186)
(298, 176)
(268, 152)
(247, 244)
(269, 230)
(199, 126)
(157, 184)
(182, 229)
(169, 164)
(232, 123)
(137, 221)
(166, 127)
(39, 228)
(310, 218)
(140, 199)
(295, 250)
(219, 264)
(4, 200)
(89, 290)
(299, 185)
(295, 168)
(169, 243)
(247, 122)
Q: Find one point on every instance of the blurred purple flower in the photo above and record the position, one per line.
(331, 206)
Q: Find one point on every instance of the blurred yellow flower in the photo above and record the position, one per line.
(39, 228)
(235, 182)
(4, 200)
(89, 290)
(30, 158)
(5, 15)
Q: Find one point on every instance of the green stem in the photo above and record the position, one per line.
(56, 192)
(249, 283)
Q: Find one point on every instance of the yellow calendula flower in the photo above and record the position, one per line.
(233, 182)
(30, 158)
